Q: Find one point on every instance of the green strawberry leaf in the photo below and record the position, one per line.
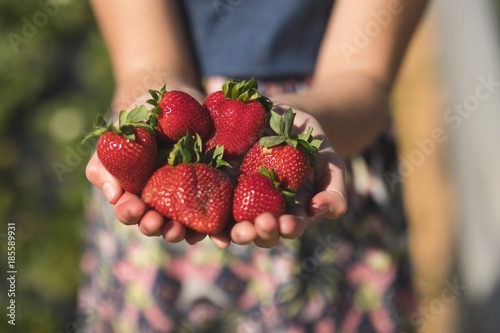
(213, 157)
(245, 90)
(316, 143)
(178, 156)
(289, 195)
(287, 123)
(307, 142)
(271, 141)
(282, 124)
(228, 87)
(136, 115)
(235, 94)
(275, 122)
(292, 142)
(156, 95)
(269, 173)
(128, 132)
(100, 122)
(266, 172)
(99, 127)
(187, 150)
(147, 127)
(94, 134)
(266, 102)
(153, 120)
(122, 118)
(306, 136)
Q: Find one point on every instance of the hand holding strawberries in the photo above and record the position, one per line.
(322, 195)
(236, 118)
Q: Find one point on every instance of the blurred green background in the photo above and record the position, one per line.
(54, 78)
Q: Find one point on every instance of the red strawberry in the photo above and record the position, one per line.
(256, 194)
(290, 156)
(212, 102)
(191, 192)
(239, 119)
(128, 151)
(292, 165)
(179, 113)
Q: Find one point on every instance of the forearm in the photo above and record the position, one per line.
(351, 108)
(350, 92)
(147, 44)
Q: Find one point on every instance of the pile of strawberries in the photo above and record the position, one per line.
(175, 156)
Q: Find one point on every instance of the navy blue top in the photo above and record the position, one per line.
(267, 39)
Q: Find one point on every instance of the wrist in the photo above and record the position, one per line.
(284, 102)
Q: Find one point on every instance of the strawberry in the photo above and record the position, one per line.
(190, 191)
(128, 151)
(290, 156)
(178, 113)
(239, 119)
(212, 101)
(258, 193)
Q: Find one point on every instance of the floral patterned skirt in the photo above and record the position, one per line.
(349, 275)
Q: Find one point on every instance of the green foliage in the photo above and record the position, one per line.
(54, 77)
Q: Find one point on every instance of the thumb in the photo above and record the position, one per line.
(98, 175)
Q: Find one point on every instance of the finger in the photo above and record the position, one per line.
(331, 200)
(243, 233)
(329, 204)
(222, 240)
(173, 231)
(129, 209)
(293, 225)
(98, 175)
(152, 224)
(267, 228)
(192, 237)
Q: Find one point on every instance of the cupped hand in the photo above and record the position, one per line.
(323, 195)
(130, 209)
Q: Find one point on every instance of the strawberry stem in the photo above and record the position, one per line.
(189, 149)
(282, 126)
(127, 121)
(156, 97)
(245, 91)
(288, 193)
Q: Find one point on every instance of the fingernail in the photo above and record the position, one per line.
(109, 191)
(320, 211)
